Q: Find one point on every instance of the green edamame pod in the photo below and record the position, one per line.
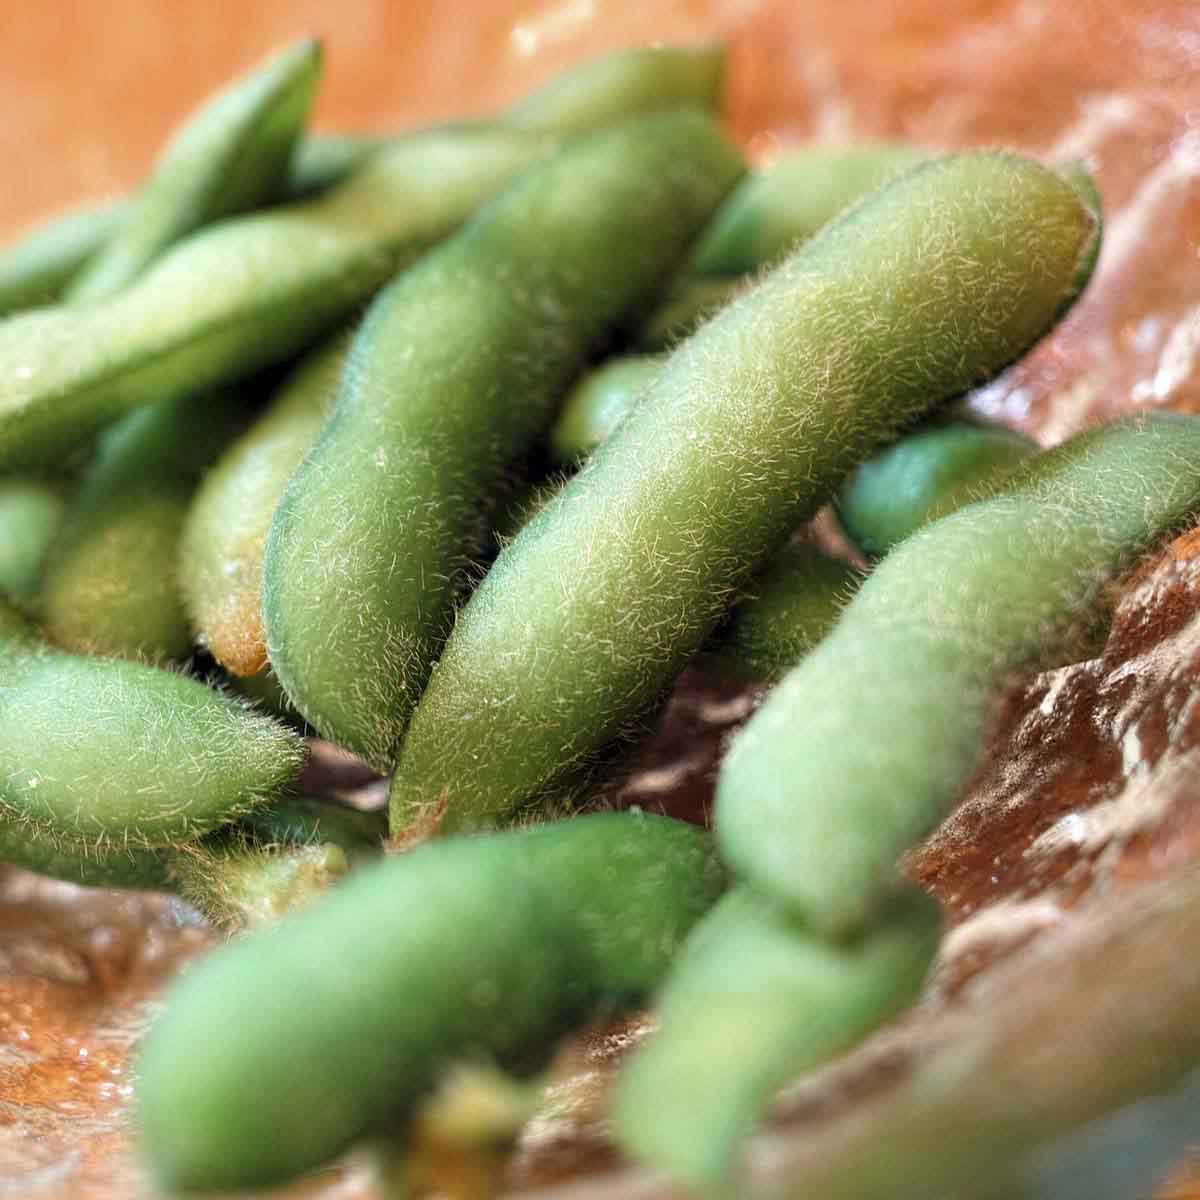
(238, 886)
(614, 87)
(241, 294)
(861, 750)
(923, 289)
(322, 160)
(925, 475)
(23, 845)
(790, 200)
(790, 607)
(225, 533)
(457, 950)
(231, 155)
(35, 269)
(307, 820)
(688, 303)
(111, 583)
(31, 510)
(454, 372)
(597, 404)
(753, 1000)
(113, 754)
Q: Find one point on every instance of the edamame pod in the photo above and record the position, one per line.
(455, 371)
(242, 294)
(925, 475)
(597, 404)
(31, 510)
(862, 749)
(225, 533)
(790, 200)
(308, 820)
(789, 608)
(925, 288)
(457, 950)
(614, 87)
(322, 160)
(754, 1000)
(688, 303)
(111, 582)
(113, 754)
(230, 156)
(35, 269)
(22, 845)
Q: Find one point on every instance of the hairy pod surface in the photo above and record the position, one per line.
(111, 582)
(925, 475)
(231, 155)
(753, 1000)
(775, 208)
(597, 404)
(23, 845)
(862, 749)
(455, 371)
(928, 286)
(480, 947)
(242, 294)
(225, 532)
(113, 754)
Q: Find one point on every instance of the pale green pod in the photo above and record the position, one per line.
(925, 475)
(113, 754)
(753, 1001)
(35, 268)
(242, 294)
(231, 155)
(453, 375)
(597, 404)
(689, 301)
(862, 749)
(31, 510)
(225, 533)
(927, 287)
(322, 160)
(625, 83)
(111, 583)
(782, 204)
(286, 1046)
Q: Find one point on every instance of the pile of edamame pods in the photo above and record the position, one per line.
(454, 448)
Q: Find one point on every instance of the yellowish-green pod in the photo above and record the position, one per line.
(614, 87)
(282, 1049)
(31, 510)
(923, 289)
(454, 373)
(862, 749)
(225, 534)
(231, 155)
(113, 754)
(111, 582)
(755, 999)
(241, 294)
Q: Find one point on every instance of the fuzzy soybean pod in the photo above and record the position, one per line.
(790, 200)
(614, 87)
(108, 754)
(597, 404)
(230, 156)
(22, 845)
(862, 749)
(926, 287)
(925, 475)
(460, 949)
(111, 583)
(754, 1000)
(35, 268)
(242, 294)
(225, 533)
(31, 510)
(454, 373)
